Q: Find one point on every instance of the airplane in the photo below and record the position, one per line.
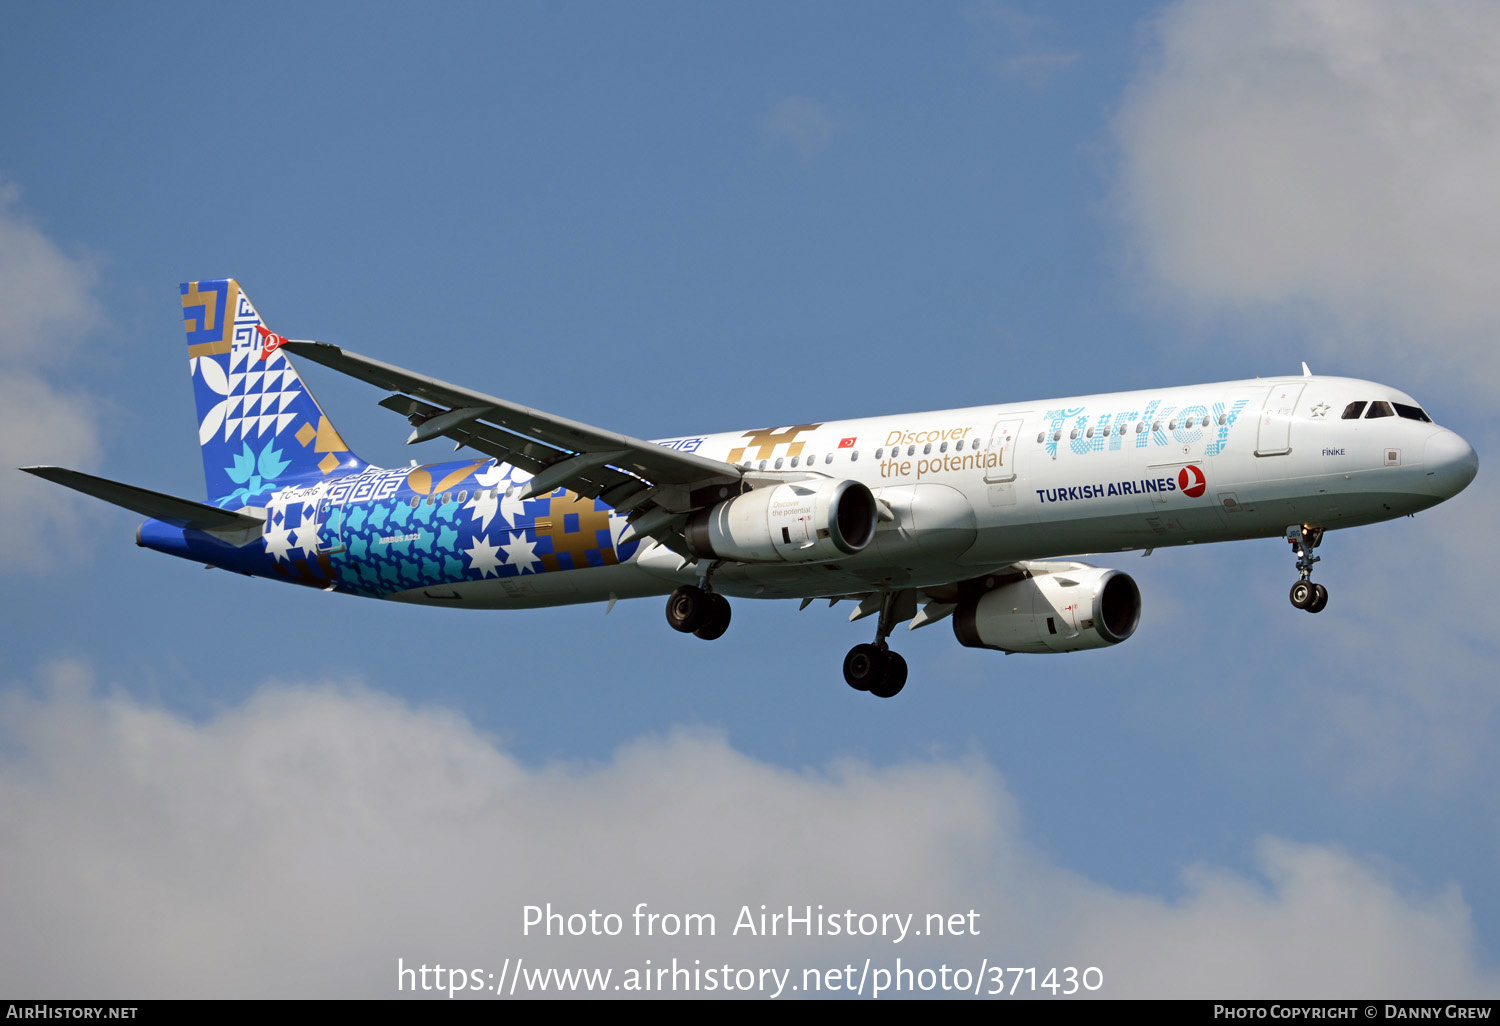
(965, 514)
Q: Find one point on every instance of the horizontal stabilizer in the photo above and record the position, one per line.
(183, 513)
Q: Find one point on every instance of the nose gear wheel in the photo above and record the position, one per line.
(1305, 594)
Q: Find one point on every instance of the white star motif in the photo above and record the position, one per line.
(307, 536)
(484, 505)
(483, 557)
(493, 475)
(510, 508)
(1320, 409)
(519, 553)
(279, 541)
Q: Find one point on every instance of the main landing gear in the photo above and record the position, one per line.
(1305, 594)
(875, 668)
(701, 612)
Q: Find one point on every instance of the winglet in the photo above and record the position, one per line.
(1305, 372)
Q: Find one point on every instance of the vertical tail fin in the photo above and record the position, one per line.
(259, 427)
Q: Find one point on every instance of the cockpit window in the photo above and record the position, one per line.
(1353, 410)
(1380, 408)
(1412, 413)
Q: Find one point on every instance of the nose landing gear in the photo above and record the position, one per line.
(1305, 594)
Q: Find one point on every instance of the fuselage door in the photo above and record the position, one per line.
(1275, 438)
(1003, 444)
(332, 512)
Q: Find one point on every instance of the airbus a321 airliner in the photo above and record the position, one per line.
(915, 518)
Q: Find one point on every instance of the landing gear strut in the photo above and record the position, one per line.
(1305, 594)
(875, 668)
(698, 609)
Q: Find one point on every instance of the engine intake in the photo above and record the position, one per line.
(797, 522)
(1066, 611)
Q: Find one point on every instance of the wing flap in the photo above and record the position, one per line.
(500, 424)
(589, 479)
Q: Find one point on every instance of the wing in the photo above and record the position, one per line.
(657, 485)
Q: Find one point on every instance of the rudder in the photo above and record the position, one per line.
(259, 427)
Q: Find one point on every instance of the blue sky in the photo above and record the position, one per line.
(665, 219)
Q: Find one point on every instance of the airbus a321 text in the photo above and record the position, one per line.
(914, 518)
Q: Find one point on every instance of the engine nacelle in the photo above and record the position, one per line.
(1066, 611)
(797, 522)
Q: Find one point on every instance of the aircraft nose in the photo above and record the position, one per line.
(1451, 464)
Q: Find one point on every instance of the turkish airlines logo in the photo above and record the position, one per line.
(1191, 482)
(273, 342)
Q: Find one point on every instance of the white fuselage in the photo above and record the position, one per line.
(969, 491)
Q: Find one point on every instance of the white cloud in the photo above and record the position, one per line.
(46, 305)
(1339, 158)
(301, 844)
(1416, 706)
(1337, 162)
(46, 297)
(803, 124)
(40, 424)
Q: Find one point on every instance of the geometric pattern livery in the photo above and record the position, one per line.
(762, 444)
(334, 521)
(360, 533)
(254, 415)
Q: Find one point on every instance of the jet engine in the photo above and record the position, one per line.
(797, 522)
(1068, 610)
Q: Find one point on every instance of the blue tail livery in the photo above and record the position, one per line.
(951, 514)
(259, 426)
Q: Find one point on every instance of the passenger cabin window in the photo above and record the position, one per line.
(1412, 413)
(1379, 408)
(1353, 410)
